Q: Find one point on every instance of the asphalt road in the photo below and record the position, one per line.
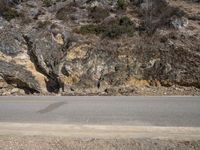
(136, 111)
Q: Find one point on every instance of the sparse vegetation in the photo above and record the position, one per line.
(9, 14)
(122, 26)
(48, 3)
(112, 30)
(63, 13)
(98, 14)
(154, 17)
(7, 11)
(92, 29)
(122, 4)
(43, 24)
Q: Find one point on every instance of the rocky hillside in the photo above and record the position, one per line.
(100, 47)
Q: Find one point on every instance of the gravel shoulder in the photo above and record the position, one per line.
(61, 143)
(51, 137)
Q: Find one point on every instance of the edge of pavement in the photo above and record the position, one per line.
(99, 131)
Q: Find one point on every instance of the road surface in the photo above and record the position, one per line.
(101, 117)
(131, 111)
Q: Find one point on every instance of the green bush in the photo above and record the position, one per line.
(92, 29)
(122, 26)
(125, 21)
(112, 30)
(43, 24)
(122, 4)
(48, 3)
(9, 14)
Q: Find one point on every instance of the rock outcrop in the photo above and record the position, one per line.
(16, 67)
(98, 47)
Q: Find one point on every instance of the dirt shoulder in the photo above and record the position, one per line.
(63, 143)
(63, 137)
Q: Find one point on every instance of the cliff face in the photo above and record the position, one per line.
(107, 47)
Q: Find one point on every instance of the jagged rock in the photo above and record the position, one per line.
(3, 83)
(97, 68)
(11, 42)
(179, 23)
(151, 5)
(3, 23)
(48, 49)
(16, 66)
(17, 75)
(48, 52)
(87, 65)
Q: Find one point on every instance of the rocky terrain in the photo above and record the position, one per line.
(100, 47)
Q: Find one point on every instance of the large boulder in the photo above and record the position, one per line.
(86, 66)
(16, 66)
(99, 66)
(47, 49)
(19, 76)
(179, 22)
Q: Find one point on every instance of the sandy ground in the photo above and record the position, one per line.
(59, 137)
(61, 143)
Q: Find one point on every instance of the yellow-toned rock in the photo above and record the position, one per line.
(77, 52)
(5, 57)
(104, 84)
(24, 60)
(70, 80)
(137, 82)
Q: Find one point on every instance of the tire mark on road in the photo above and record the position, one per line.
(51, 107)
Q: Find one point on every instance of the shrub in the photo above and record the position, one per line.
(122, 26)
(9, 14)
(92, 29)
(122, 4)
(7, 11)
(125, 21)
(64, 13)
(112, 30)
(48, 3)
(98, 13)
(43, 24)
